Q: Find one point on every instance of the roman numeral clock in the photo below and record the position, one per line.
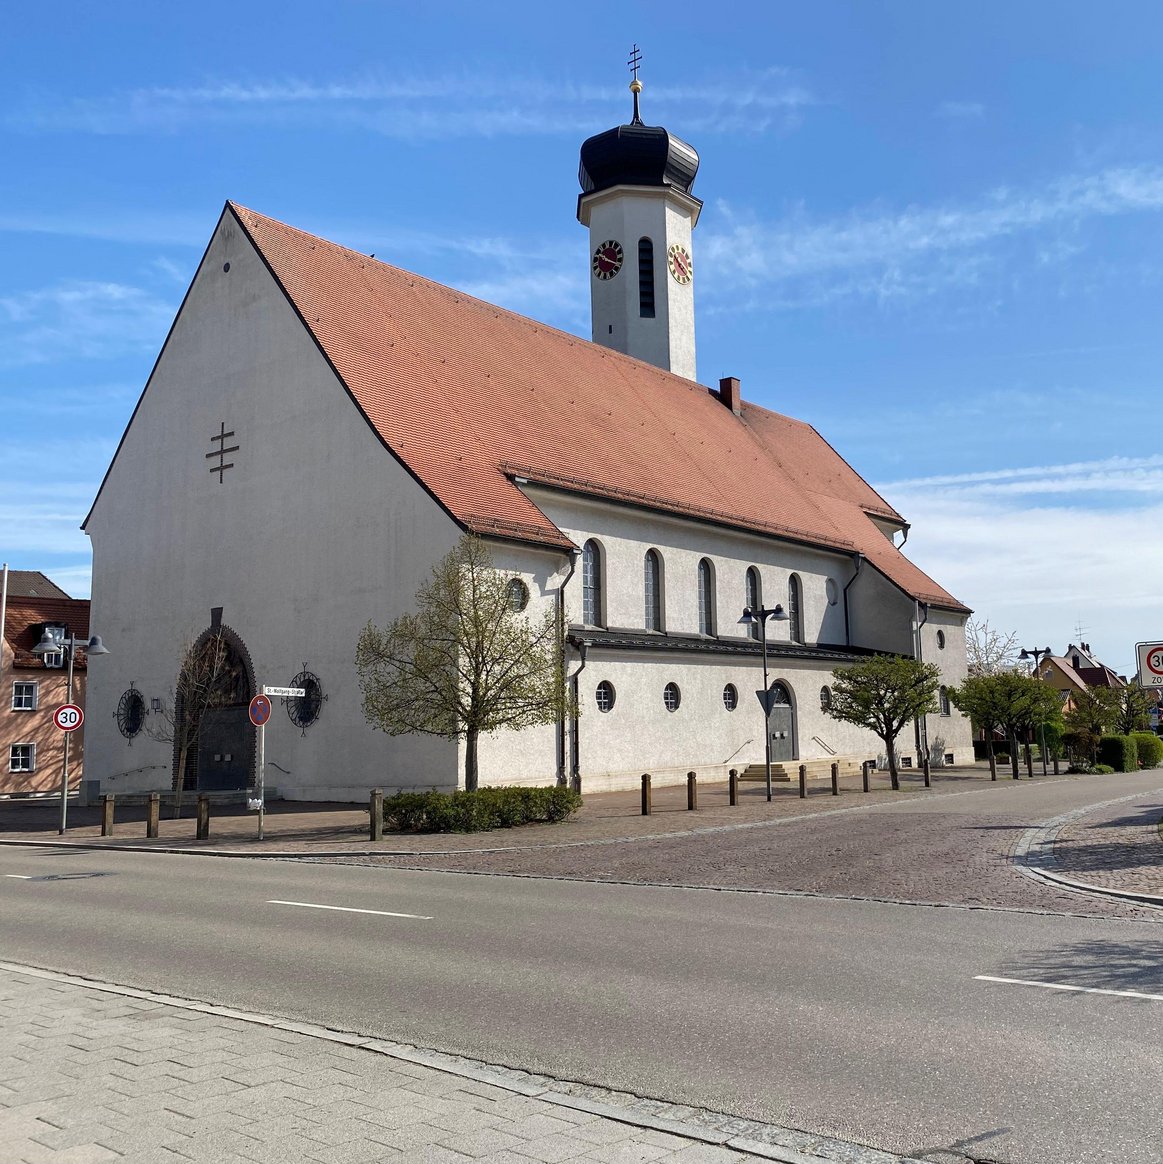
(607, 260)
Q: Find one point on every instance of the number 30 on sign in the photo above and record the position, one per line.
(1150, 656)
(68, 717)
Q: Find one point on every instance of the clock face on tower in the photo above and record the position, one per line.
(607, 260)
(678, 259)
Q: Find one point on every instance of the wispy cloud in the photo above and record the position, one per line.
(80, 319)
(419, 107)
(1110, 475)
(879, 255)
(137, 225)
(961, 110)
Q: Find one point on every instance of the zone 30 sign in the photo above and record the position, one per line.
(1150, 657)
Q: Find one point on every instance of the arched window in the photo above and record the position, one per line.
(645, 278)
(592, 584)
(943, 700)
(652, 578)
(795, 614)
(706, 598)
(940, 640)
(825, 698)
(751, 599)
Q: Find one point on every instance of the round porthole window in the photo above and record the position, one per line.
(730, 697)
(671, 696)
(130, 713)
(518, 595)
(605, 695)
(304, 709)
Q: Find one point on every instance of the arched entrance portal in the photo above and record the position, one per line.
(781, 725)
(214, 738)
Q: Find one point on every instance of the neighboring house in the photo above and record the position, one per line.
(32, 687)
(321, 427)
(1059, 673)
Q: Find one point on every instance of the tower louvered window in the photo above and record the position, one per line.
(645, 278)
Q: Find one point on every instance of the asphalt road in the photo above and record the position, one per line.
(862, 1020)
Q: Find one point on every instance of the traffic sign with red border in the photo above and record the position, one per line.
(1150, 659)
(68, 717)
(260, 710)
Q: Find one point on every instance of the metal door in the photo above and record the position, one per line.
(225, 750)
(781, 724)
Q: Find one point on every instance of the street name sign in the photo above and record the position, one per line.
(1150, 657)
(286, 692)
(68, 717)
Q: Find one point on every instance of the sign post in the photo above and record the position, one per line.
(1150, 660)
(260, 713)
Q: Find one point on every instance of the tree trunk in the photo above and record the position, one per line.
(894, 777)
(1015, 757)
(183, 753)
(470, 761)
(989, 752)
(1029, 761)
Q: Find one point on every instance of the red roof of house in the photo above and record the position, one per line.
(32, 584)
(468, 395)
(26, 617)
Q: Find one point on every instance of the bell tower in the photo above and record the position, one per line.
(636, 200)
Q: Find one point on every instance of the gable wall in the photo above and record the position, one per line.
(315, 530)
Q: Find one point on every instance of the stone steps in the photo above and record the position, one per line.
(785, 771)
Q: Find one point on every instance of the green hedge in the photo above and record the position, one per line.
(473, 812)
(1120, 752)
(1150, 748)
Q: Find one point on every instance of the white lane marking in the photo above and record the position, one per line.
(1065, 986)
(349, 909)
(19, 876)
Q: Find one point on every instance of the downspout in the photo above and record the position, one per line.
(858, 562)
(573, 558)
(575, 779)
(918, 654)
(3, 617)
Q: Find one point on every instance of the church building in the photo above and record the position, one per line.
(321, 427)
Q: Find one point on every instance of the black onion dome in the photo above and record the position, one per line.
(637, 155)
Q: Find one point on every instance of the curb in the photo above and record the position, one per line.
(736, 1133)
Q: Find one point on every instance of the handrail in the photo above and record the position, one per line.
(134, 771)
(738, 750)
(272, 764)
(827, 748)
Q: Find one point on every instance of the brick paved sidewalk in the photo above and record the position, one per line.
(1117, 847)
(295, 827)
(88, 1076)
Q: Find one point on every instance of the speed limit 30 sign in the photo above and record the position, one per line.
(68, 717)
(1150, 656)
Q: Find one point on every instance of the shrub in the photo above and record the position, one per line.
(1103, 770)
(483, 808)
(1150, 748)
(1001, 758)
(1120, 752)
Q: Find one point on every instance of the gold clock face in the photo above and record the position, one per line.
(678, 259)
(607, 260)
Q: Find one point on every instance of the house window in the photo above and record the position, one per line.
(671, 697)
(518, 595)
(751, 599)
(592, 584)
(940, 640)
(794, 609)
(56, 658)
(24, 696)
(706, 598)
(22, 758)
(652, 578)
(943, 700)
(645, 278)
(605, 695)
(730, 697)
(825, 698)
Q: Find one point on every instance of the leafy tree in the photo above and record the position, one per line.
(1133, 710)
(1092, 713)
(989, 651)
(979, 698)
(466, 662)
(883, 693)
(1008, 700)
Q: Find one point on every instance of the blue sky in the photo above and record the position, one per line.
(934, 231)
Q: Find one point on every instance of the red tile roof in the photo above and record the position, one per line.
(24, 620)
(466, 394)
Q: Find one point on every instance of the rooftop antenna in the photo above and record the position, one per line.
(1079, 631)
(635, 85)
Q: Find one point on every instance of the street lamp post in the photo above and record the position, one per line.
(50, 645)
(1037, 654)
(760, 614)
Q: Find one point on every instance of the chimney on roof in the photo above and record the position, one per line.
(729, 394)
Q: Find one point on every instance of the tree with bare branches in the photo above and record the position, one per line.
(467, 662)
(989, 651)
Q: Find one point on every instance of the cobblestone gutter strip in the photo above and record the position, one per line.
(1035, 857)
(768, 1141)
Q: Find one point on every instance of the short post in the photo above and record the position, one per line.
(1056, 766)
(645, 793)
(865, 773)
(733, 788)
(692, 792)
(928, 773)
(107, 815)
(376, 810)
(835, 779)
(803, 781)
(153, 814)
(203, 830)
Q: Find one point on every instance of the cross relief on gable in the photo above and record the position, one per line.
(222, 451)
